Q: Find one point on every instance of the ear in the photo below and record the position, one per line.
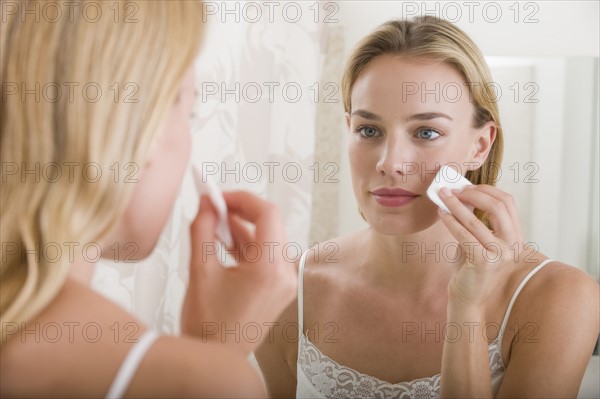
(348, 119)
(482, 144)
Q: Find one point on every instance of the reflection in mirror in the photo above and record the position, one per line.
(549, 113)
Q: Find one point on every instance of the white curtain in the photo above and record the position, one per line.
(254, 129)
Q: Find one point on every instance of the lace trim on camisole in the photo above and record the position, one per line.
(334, 380)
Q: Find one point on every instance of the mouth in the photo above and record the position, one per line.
(393, 197)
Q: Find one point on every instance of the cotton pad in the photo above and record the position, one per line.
(446, 177)
(206, 186)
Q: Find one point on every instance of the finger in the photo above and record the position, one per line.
(240, 230)
(466, 240)
(242, 236)
(263, 214)
(246, 205)
(466, 218)
(500, 220)
(509, 203)
(203, 240)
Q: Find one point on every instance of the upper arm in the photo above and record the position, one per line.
(187, 367)
(557, 330)
(275, 355)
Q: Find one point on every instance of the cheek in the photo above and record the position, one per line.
(454, 154)
(360, 165)
(362, 158)
(155, 194)
(452, 150)
(353, 156)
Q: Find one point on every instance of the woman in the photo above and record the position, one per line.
(425, 303)
(67, 201)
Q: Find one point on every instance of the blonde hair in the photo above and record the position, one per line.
(137, 57)
(434, 38)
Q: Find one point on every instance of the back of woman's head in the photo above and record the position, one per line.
(83, 95)
(433, 38)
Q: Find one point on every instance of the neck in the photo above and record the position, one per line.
(82, 272)
(422, 259)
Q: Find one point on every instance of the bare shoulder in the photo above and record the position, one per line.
(77, 344)
(188, 367)
(329, 257)
(560, 301)
(563, 286)
(331, 271)
(556, 320)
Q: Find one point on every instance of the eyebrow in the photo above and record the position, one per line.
(427, 115)
(421, 117)
(366, 114)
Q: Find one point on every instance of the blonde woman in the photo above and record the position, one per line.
(63, 203)
(424, 303)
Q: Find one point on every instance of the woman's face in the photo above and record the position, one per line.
(408, 118)
(160, 178)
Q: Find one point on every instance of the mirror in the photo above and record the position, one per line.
(549, 112)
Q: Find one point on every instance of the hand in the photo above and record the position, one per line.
(488, 256)
(236, 304)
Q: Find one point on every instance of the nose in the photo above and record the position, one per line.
(397, 157)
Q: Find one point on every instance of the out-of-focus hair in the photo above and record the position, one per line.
(102, 88)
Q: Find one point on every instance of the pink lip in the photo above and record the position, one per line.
(393, 197)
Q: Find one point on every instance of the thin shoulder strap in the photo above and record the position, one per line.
(131, 363)
(300, 296)
(514, 297)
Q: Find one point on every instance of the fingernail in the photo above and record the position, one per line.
(445, 191)
(457, 190)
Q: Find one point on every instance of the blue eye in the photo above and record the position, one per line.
(367, 131)
(428, 134)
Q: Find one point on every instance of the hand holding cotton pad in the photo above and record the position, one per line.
(206, 186)
(446, 177)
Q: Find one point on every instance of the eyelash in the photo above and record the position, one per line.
(421, 129)
(361, 127)
(430, 129)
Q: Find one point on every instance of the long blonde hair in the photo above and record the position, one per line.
(91, 90)
(434, 38)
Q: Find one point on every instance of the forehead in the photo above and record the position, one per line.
(393, 86)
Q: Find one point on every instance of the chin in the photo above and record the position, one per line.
(401, 224)
(136, 247)
(146, 246)
(143, 251)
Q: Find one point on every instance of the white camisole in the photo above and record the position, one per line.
(319, 376)
(131, 363)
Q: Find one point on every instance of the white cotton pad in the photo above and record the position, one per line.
(206, 186)
(446, 177)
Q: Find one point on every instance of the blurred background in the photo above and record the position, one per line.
(269, 119)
